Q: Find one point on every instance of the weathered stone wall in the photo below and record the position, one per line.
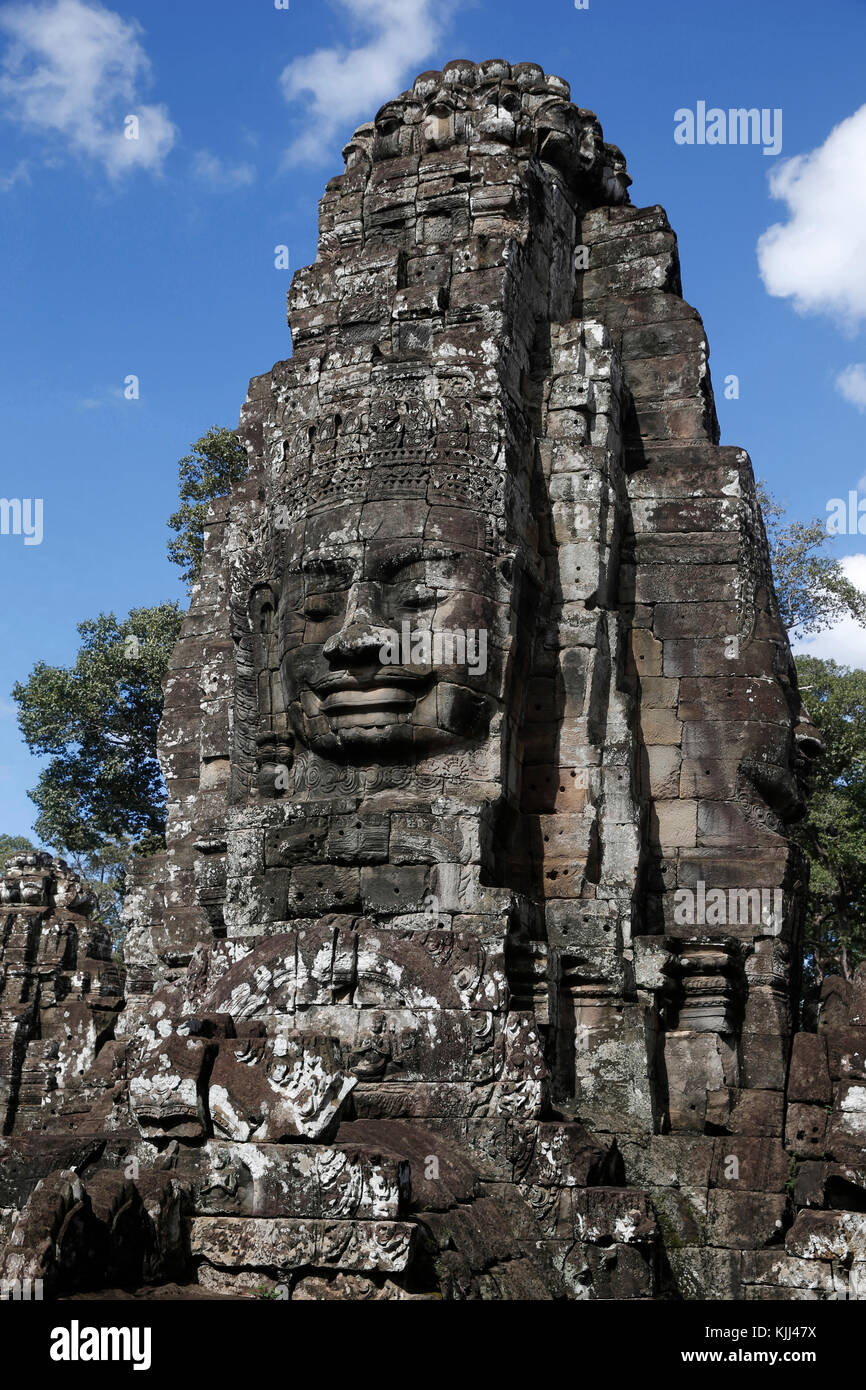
(418, 1002)
(62, 993)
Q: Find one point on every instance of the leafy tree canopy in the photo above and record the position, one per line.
(97, 721)
(833, 834)
(218, 461)
(813, 595)
(101, 796)
(811, 586)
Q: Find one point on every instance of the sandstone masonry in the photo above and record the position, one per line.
(408, 1009)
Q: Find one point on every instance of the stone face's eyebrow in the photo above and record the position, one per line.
(326, 564)
(391, 563)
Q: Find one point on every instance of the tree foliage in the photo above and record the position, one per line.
(101, 796)
(811, 586)
(813, 595)
(833, 833)
(218, 461)
(104, 871)
(97, 721)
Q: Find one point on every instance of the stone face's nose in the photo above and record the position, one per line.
(361, 635)
(497, 120)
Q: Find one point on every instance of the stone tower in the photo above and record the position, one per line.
(471, 967)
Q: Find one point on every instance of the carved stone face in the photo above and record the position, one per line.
(437, 125)
(393, 129)
(392, 643)
(499, 116)
(555, 132)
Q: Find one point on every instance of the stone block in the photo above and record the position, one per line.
(673, 824)
(828, 1235)
(283, 1244)
(806, 1130)
(809, 1076)
(746, 1220)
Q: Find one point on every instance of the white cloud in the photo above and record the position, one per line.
(343, 84)
(846, 642)
(72, 73)
(210, 170)
(851, 383)
(818, 257)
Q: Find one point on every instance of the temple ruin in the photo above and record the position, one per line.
(458, 978)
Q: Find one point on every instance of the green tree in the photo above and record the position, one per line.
(104, 871)
(10, 845)
(813, 594)
(811, 586)
(97, 721)
(833, 834)
(218, 461)
(101, 797)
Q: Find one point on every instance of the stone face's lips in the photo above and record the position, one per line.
(372, 697)
(341, 680)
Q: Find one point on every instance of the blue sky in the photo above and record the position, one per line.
(155, 257)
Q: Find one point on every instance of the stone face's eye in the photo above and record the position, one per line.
(415, 596)
(420, 584)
